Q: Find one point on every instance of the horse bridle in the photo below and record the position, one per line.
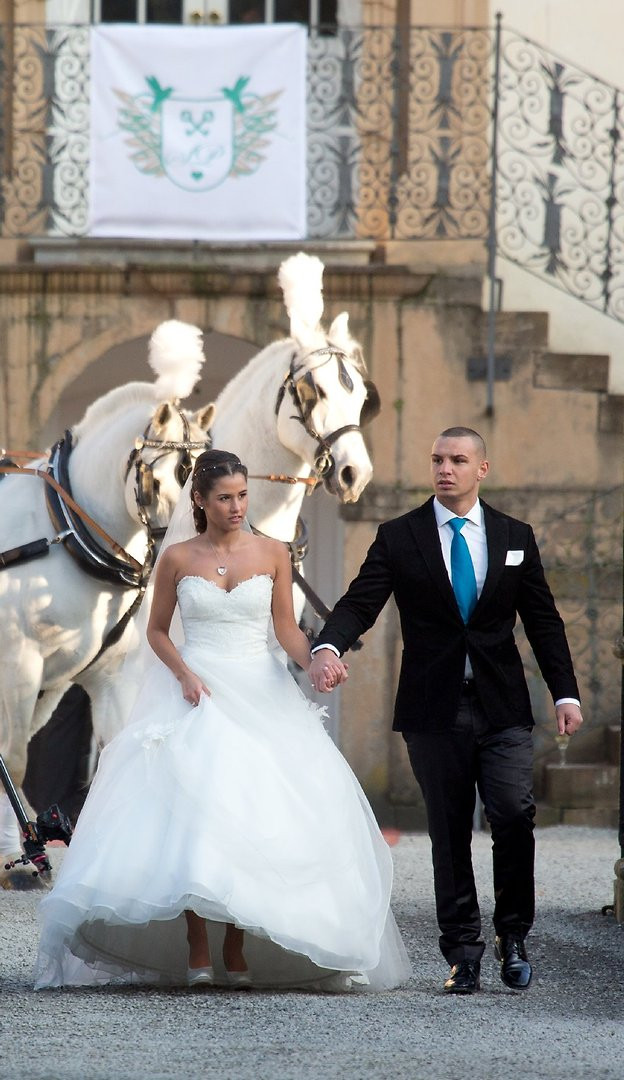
(305, 395)
(146, 484)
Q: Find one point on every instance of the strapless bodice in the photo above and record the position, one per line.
(230, 624)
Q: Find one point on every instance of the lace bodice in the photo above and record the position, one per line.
(229, 624)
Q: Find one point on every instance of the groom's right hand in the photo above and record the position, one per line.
(327, 670)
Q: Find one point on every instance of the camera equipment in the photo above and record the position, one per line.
(52, 824)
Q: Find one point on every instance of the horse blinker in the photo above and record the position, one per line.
(343, 375)
(372, 404)
(145, 485)
(307, 394)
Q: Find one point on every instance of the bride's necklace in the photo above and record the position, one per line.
(221, 570)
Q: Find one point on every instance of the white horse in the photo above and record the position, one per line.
(295, 409)
(54, 615)
(299, 401)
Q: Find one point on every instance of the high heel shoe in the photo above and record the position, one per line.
(238, 980)
(201, 976)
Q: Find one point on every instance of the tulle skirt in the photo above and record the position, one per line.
(242, 810)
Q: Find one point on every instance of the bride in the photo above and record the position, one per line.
(223, 814)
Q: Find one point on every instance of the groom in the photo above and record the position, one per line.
(460, 573)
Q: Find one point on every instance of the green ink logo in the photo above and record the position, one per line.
(197, 142)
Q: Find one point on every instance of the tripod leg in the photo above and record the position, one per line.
(9, 832)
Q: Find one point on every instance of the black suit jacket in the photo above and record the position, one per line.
(406, 560)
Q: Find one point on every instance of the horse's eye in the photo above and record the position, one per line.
(321, 393)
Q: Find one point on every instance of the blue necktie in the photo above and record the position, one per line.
(462, 570)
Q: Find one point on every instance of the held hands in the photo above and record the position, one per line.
(192, 687)
(569, 718)
(327, 670)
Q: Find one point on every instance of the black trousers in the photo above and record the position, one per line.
(450, 766)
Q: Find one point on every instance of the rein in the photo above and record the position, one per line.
(34, 454)
(298, 549)
(67, 498)
(281, 478)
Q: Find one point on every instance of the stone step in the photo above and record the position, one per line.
(596, 817)
(528, 327)
(571, 371)
(614, 740)
(573, 787)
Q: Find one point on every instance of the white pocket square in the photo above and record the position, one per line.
(514, 558)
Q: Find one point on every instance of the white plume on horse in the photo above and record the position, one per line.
(176, 356)
(302, 398)
(301, 279)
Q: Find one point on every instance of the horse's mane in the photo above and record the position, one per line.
(268, 362)
(110, 404)
(274, 359)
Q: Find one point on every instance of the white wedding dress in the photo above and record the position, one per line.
(240, 809)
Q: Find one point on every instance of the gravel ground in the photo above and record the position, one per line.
(567, 1025)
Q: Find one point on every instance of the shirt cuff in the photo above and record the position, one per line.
(332, 648)
(567, 701)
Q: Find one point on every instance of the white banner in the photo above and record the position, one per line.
(198, 133)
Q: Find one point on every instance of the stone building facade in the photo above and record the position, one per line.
(75, 316)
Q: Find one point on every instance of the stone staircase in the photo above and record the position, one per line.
(585, 790)
(588, 372)
(584, 793)
(522, 339)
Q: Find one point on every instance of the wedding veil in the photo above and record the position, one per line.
(140, 658)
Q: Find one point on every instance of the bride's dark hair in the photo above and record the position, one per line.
(210, 467)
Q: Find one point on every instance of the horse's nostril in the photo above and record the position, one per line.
(347, 476)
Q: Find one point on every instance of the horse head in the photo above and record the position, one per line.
(161, 461)
(327, 386)
(163, 456)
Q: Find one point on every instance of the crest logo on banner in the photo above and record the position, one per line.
(198, 133)
(197, 143)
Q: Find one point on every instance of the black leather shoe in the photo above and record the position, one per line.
(464, 978)
(516, 970)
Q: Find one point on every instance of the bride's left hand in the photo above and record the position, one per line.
(193, 688)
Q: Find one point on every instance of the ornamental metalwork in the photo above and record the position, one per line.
(401, 146)
(398, 133)
(46, 161)
(560, 164)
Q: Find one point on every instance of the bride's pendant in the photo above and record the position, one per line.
(221, 570)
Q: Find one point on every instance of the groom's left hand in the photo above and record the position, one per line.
(569, 718)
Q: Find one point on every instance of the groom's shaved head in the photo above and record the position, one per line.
(466, 433)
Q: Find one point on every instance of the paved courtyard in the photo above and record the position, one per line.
(568, 1026)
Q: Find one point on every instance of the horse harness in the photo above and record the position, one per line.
(75, 528)
(146, 483)
(78, 541)
(305, 395)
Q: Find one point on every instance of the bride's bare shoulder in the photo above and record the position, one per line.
(267, 546)
(176, 555)
(181, 547)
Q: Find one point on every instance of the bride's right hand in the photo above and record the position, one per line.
(192, 687)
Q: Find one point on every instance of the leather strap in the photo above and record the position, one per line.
(66, 497)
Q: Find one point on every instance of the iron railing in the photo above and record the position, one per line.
(401, 146)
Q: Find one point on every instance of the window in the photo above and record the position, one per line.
(235, 12)
(154, 11)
